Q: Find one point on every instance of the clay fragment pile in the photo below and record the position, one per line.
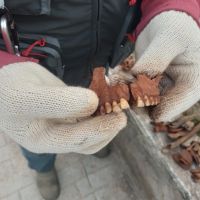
(184, 136)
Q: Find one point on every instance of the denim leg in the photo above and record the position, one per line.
(39, 162)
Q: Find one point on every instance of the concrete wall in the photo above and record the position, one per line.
(153, 176)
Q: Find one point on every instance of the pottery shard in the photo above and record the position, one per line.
(183, 159)
(111, 98)
(145, 91)
(100, 86)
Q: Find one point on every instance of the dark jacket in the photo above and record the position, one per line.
(87, 30)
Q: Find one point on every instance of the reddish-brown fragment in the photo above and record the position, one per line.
(194, 150)
(145, 91)
(160, 127)
(181, 140)
(174, 130)
(195, 174)
(100, 87)
(183, 159)
(128, 63)
(188, 125)
(119, 91)
(176, 135)
(111, 98)
(195, 171)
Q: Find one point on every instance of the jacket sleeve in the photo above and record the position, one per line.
(151, 8)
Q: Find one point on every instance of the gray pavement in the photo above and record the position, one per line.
(81, 177)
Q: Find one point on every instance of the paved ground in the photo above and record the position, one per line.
(81, 177)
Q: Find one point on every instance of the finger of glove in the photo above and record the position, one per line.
(101, 127)
(165, 37)
(182, 96)
(85, 135)
(36, 101)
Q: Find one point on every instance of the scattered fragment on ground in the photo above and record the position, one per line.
(184, 134)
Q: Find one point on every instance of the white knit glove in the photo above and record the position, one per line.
(171, 43)
(42, 114)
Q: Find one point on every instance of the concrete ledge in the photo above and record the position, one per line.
(153, 176)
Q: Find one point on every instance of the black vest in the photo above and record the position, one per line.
(87, 30)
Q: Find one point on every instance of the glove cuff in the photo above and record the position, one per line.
(154, 7)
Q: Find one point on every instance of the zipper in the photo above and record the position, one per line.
(98, 9)
(97, 27)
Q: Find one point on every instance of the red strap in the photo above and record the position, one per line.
(27, 52)
(132, 2)
(37, 55)
(131, 37)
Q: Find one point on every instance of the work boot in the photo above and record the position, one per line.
(48, 184)
(103, 152)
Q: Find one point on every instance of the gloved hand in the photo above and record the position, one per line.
(42, 114)
(171, 43)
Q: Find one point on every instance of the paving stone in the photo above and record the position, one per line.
(2, 140)
(93, 164)
(13, 175)
(115, 191)
(7, 188)
(71, 173)
(14, 183)
(104, 176)
(70, 193)
(90, 197)
(82, 177)
(30, 192)
(118, 190)
(15, 150)
(20, 164)
(73, 157)
(12, 197)
(84, 187)
(7, 180)
(6, 170)
(7, 139)
(64, 160)
(5, 153)
(61, 162)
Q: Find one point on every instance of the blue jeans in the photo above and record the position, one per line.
(45, 162)
(39, 162)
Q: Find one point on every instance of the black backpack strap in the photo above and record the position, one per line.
(124, 46)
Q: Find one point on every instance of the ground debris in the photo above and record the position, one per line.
(195, 175)
(183, 159)
(185, 140)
